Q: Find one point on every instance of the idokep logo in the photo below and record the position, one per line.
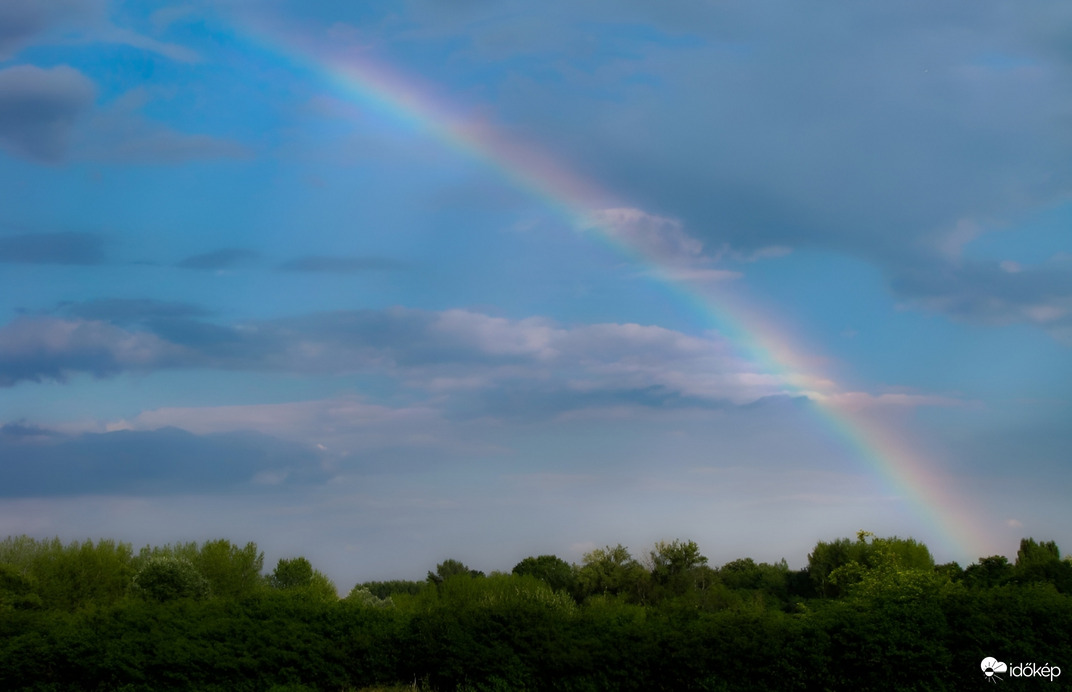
(993, 667)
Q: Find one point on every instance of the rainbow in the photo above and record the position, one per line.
(368, 83)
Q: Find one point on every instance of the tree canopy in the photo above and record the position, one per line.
(868, 613)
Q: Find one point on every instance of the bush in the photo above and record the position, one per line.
(164, 579)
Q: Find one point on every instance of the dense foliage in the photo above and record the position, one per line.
(865, 614)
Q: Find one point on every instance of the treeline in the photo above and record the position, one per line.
(866, 613)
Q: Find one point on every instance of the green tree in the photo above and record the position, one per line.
(165, 579)
(552, 570)
(950, 570)
(451, 568)
(676, 567)
(291, 573)
(362, 596)
(827, 557)
(1041, 562)
(674, 558)
(888, 577)
(850, 559)
(20, 551)
(78, 574)
(988, 572)
(613, 571)
(768, 584)
(386, 589)
(232, 572)
(17, 590)
(297, 576)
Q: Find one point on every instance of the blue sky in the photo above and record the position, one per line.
(238, 299)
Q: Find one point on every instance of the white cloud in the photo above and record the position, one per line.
(47, 348)
(674, 254)
(1045, 313)
(656, 237)
(495, 335)
(951, 243)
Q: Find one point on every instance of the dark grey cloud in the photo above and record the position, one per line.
(132, 310)
(218, 259)
(845, 134)
(18, 23)
(105, 337)
(39, 107)
(994, 293)
(341, 265)
(875, 130)
(155, 462)
(52, 248)
(22, 20)
(22, 431)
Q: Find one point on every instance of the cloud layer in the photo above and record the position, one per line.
(39, 462)
(482, 365)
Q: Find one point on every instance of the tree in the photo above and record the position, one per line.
(677, 567)
(950, 570)
(552, 570)
(71, 576)
(16, 590)
(232, 572)
(826, 557)
(988, 572)
(386, 589)
(168, 578)
(298, 577)
(850, 559)
(1032, 553)
(1041, 562)
(361, 595)
(613, 571)
(291, 573)
(451, 568)
(671, 559)
(20, 551)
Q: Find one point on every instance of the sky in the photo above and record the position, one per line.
(391, 282)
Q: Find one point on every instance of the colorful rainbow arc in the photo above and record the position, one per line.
(363, 80)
